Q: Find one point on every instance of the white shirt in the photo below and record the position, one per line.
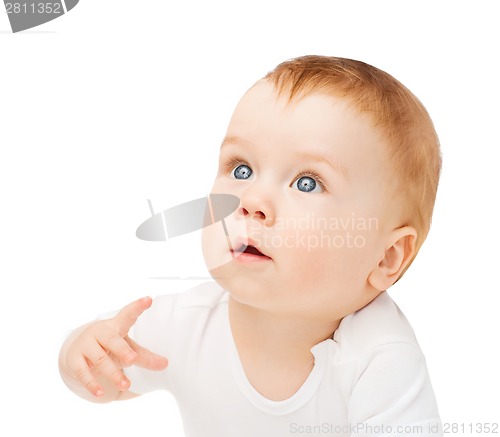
(370, 379)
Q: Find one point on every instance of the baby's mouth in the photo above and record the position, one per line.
(250, 250)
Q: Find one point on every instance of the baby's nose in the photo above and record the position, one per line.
(256, 207)
(250, 212)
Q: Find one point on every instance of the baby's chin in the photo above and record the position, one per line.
(221, 276)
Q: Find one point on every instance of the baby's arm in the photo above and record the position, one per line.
(93, 356)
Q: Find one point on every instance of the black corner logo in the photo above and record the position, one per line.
(27, 14)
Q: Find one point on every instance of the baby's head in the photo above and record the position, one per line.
(336, 165)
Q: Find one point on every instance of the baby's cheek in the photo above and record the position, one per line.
(304, 253)
(324, 258)
(219, 240)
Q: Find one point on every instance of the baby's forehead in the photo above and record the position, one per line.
(314, 126)
(314, 112)
(265, 93)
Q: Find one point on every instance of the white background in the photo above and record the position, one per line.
(120, 101)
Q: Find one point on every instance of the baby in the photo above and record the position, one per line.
(336, 165)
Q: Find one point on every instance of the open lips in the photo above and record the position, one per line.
(251, 250)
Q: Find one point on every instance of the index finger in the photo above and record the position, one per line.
(126, 318)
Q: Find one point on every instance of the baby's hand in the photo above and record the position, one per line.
(101, 349)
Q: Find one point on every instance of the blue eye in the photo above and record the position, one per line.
(242, 172)
(307, 184)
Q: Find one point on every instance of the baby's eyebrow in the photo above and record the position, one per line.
(337, 166)
(231, 139)
(303, 155)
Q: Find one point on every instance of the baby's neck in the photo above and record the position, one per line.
(277, 337)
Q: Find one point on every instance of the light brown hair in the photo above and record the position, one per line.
(413, 146)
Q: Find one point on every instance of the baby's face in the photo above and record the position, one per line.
(311, 178)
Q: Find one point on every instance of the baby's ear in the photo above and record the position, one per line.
(398, 253)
